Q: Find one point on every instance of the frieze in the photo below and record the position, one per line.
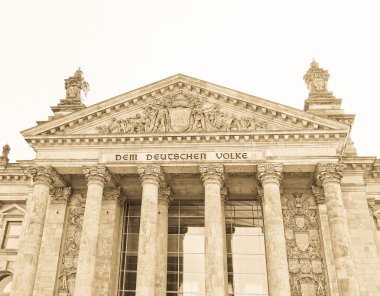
(306, 267)
(181, 112)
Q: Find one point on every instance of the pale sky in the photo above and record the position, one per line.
(259, 47)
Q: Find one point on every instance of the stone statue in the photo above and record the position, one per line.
(74, 85)
(4, 156)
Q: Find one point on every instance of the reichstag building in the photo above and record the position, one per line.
(183, 187)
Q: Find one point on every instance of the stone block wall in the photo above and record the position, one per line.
(362, 236)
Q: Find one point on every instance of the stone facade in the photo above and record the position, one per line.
(182, 141)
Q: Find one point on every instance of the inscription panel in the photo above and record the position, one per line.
(134, 157)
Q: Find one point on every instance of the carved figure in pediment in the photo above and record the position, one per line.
(179, 113)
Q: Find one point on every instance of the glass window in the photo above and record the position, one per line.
(12, 234)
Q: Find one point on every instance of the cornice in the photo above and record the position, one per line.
(257, 136)
(191, 85)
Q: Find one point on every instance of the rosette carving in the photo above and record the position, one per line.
(151, 173)
(212, 173)
(97, 174)
(43, 175)
(164, 195)
(59, 194)
(329, 172)
(269, 172)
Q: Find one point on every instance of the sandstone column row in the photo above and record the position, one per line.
(153, 236)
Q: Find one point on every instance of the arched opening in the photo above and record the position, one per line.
(6, 284)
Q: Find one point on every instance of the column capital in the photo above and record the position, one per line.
(114, 194)
(269, 172)
(164, 195)
(97, 174)
(59, 194)
(329, 172)
(150, 173)
(212, 173)
(43, 175)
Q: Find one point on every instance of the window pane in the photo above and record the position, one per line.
(14, 228)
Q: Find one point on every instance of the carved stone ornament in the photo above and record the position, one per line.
(260, 194)
(151, 173)
(114, 194)
(97, 174)
(224, 195)
(371, 205)
(316, 79)
(43, 175)
(4, 155)
(329, 172)
(318, 194)
(164, 195)
(59, 194)
(74, 85)
(212, 173)
(306, 268)
(72, 236)
(181, 112)
(269, 172)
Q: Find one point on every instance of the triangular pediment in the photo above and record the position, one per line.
(182, 105)
(12, 209)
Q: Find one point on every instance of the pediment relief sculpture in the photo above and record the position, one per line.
(182, 112)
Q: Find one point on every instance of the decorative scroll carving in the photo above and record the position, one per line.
(73, 233)
(43, 175)
(181, 112)
(306, 268)
(329, 172)
(4, 155)
(164, 195)
(98, 174)
(260, 194)
(212, 172)
(151, 173)
(59, 194)
(316, 79)
(269, 171)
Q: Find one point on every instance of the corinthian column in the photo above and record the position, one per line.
(270, 175)
(150, 176)
(96, 177)
(215, 235)
(162, 239)
(330, 175)
(27, 260)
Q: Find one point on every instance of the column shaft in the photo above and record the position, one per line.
(162, 240)
(330, 175)
(96, 178)
(215, 236)
(150, 176)
(274, 235)
(27, 260)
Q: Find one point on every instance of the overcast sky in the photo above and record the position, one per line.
(259, 47)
